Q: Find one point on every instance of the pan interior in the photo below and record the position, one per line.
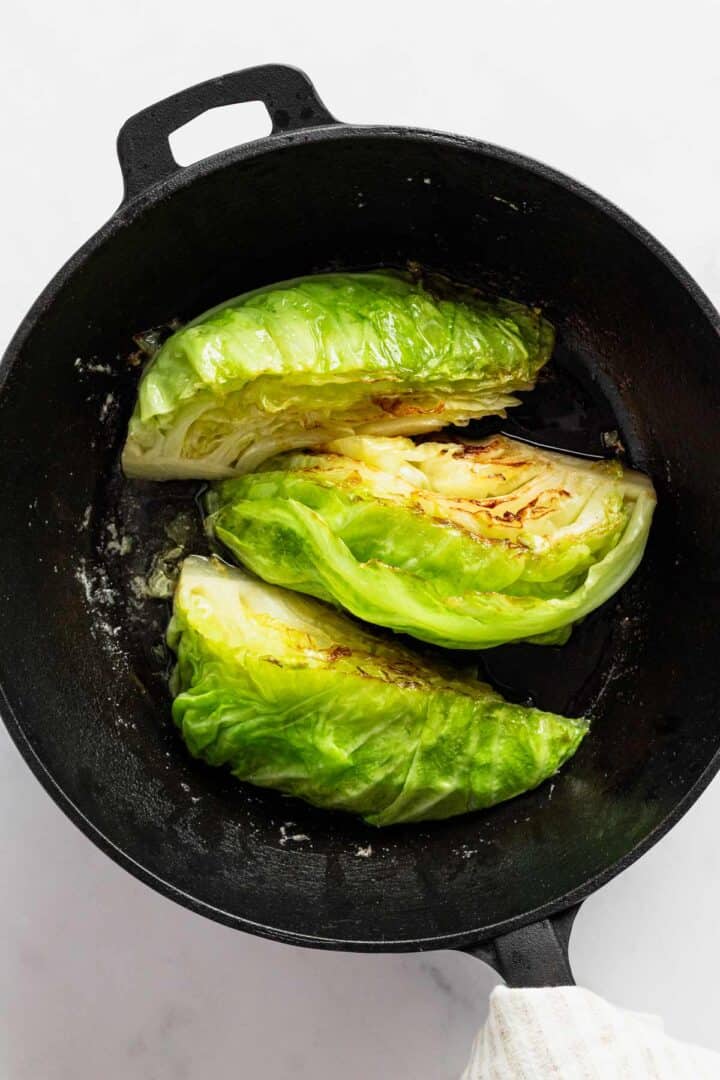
(82, 659)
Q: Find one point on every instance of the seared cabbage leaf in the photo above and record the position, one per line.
(465, 545)
(294, 696)
(302, 362)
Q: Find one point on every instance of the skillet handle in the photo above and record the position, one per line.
(534, 955)
(143, 148)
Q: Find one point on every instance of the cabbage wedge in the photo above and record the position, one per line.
(294, 696)
(464, 545)
(302, 362)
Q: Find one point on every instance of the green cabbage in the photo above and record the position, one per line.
(462, 545)
(294, 696)
(306, 361)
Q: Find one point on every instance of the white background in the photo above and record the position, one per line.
(99, 976)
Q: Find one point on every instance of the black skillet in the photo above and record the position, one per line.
(81, 668)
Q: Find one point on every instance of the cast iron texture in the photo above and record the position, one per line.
(82, 680)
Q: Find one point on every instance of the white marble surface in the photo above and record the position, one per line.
(102, 978)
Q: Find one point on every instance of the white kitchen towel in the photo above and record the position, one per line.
(567, 1033)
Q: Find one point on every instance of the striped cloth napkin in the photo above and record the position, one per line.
(567, 1033)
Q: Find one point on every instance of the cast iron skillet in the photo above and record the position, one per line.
(82, 672)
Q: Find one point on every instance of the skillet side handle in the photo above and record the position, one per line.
(143, 148)
(535, 955)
